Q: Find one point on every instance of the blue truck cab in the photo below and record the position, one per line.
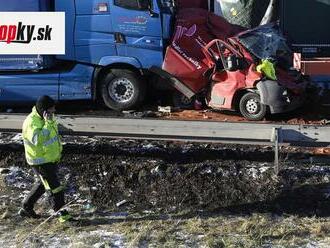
(110, 45)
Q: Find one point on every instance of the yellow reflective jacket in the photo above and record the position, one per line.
(267, 68)
(42, 142)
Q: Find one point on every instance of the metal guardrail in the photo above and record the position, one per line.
(198, 131)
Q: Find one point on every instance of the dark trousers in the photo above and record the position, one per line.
(49, 174)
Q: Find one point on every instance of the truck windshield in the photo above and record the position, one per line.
(265, 42)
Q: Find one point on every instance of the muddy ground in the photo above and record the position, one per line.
(167, 175)
(136, 187)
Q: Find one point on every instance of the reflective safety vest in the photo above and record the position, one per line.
(42, 142)
(267, 68)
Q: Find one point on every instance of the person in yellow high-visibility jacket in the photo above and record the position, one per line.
(43, 150)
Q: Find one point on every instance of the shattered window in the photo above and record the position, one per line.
(265, 42)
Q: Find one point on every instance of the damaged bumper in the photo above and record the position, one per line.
(279, 98)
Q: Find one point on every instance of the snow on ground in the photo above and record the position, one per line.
(162, 194)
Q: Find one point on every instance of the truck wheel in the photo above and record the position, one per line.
(251, 107)
(181, 101)
(122, 90)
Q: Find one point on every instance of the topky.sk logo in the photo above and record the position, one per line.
(21, 33)
(32, 33)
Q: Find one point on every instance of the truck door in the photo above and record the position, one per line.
(137, 28)
(94, 35)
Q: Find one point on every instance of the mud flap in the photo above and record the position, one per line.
(173, 81)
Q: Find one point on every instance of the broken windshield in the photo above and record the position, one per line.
(265, 42)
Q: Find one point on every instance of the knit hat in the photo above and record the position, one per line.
(44, 103)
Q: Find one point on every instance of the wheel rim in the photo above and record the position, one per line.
(252, 106)
(121, 90)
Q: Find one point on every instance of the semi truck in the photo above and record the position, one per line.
(110, 44)
(115, 49)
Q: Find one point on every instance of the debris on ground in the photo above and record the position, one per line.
(140, 193)
(165, 110)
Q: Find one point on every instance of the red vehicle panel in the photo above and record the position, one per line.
(218, 61)
(185, 58)
(192, 4)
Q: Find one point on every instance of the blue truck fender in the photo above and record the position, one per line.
(109, 60)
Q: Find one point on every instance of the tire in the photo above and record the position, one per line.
(181, 101)
(251, 107)
(122, 90)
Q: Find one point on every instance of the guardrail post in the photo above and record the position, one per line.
(276, 139)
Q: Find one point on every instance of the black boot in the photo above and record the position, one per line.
(28, 213)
